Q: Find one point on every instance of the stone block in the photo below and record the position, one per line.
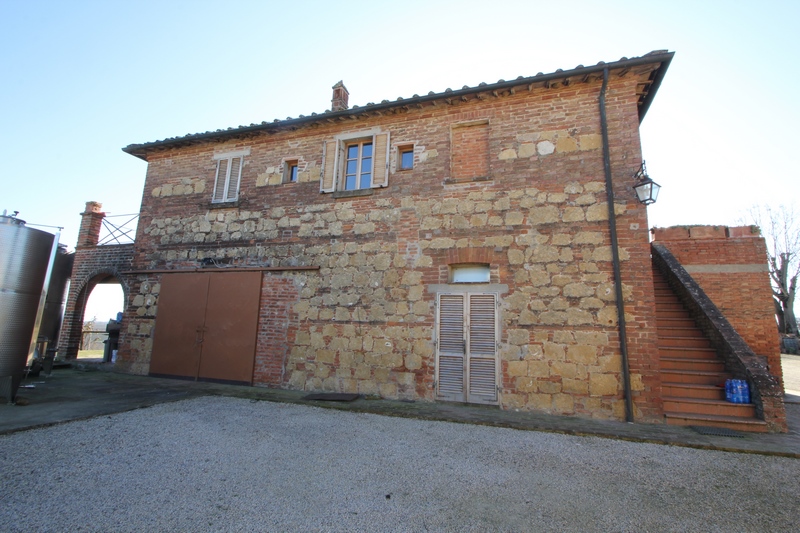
(553, 351)
(597, 212)
(574, 386)
(591, 141)
(547, 214)
(538, 368)
(548, 387)
(518, 337)
(517, 368)
(553, 317)
(577, 317)
(508, 153)
(603, 384)
(582, 353)
(514, 218)
(527, 150)
(563, 404)
(545, 148)
(577, 290)
(573, 214)
(516, 257)
(526, 384)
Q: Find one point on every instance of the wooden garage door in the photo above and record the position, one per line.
(206, 326)
(466, 355)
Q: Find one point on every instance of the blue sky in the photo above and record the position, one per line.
(82, 79)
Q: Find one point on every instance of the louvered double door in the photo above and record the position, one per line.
(466, 355)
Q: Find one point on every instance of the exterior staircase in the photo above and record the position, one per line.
(692, 374)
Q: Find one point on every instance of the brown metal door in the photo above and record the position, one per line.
(178, 338)
(231, 325)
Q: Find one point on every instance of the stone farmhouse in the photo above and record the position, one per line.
(455, 246)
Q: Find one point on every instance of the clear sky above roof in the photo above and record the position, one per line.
(82, 79)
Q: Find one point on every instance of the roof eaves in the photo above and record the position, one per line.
(661, 57)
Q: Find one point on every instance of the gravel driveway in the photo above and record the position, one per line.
(226, 464)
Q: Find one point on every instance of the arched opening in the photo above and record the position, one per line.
(102, 302)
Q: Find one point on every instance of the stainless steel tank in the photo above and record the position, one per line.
(24, 260)
(56, 293)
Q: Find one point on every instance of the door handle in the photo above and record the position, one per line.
(199, 337)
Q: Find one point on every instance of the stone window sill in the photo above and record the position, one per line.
(452, 181)
(353, 194)
(223, 205)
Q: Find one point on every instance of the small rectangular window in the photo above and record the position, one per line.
(405, 157)
(470, 273)
(290, 171)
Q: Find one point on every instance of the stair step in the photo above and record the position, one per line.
(671, 322)
(682, 351)
(697, 377)
(692, 332)
(692, 390)
(673, 313)
(693, 365)
(752, 425)
(683, 342)
(702, 406)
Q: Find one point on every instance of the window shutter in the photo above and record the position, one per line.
(328, 167)
(482, 347)
(219, 183)
(450, 363)
(234, 178)
(380, 161)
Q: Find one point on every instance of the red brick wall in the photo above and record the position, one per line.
(470, 151)
(730, 264)
(277, 327)
(92, 264)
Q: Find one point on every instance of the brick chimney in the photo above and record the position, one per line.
(91, 221)
(340, 96)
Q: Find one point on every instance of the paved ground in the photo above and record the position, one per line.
(205, 456)
(233, 464)
(72, 394)
(791, 375)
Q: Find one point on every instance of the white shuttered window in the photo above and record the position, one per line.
(228, 177)
(466, 356)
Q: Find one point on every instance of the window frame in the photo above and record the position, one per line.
(288, 166)
(359, 160)
(405, 149)
(334, 158)
(470, 269)
(229, 157)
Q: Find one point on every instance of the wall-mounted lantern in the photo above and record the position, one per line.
(646, 189)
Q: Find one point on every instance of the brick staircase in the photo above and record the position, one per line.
(692, 374)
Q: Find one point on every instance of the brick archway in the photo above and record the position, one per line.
(93, 264)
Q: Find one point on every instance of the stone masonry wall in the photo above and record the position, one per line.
(730, 264)
(365, 321)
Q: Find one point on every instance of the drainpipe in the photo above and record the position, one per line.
(612, 224)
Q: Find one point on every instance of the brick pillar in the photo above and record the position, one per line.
(91, 221)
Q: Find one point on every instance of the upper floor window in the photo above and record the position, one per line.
(358, 166)
(356, 162)
(291, 167)
(228, 176)
(405, 157)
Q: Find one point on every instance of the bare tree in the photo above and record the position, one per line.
(781, 230)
